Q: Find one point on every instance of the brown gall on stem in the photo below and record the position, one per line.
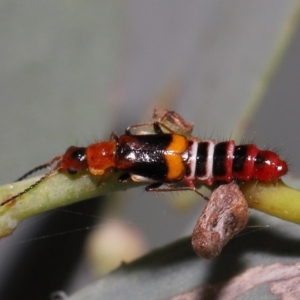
(225, 215)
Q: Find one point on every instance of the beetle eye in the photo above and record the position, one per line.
(72, 171)
(79, 154)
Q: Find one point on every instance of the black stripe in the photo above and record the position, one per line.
(239, 157)
(220, 157)
(147, 144)
(201, 162)
(154, 141)
(145, 153)
(259, 159)
(157, 170)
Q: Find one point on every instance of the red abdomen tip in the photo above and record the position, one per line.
(268, 166)
(282, 168)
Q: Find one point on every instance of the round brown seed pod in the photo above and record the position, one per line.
(225, 215)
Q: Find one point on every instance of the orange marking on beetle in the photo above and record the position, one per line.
(100, 157)
(176, 168)
(173, 157)
(178, 145)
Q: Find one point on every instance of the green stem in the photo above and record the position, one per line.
(275, 199)
(56, 191)
(59, 190)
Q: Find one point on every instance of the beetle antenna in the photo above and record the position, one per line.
(38, 168)
(29, 188)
